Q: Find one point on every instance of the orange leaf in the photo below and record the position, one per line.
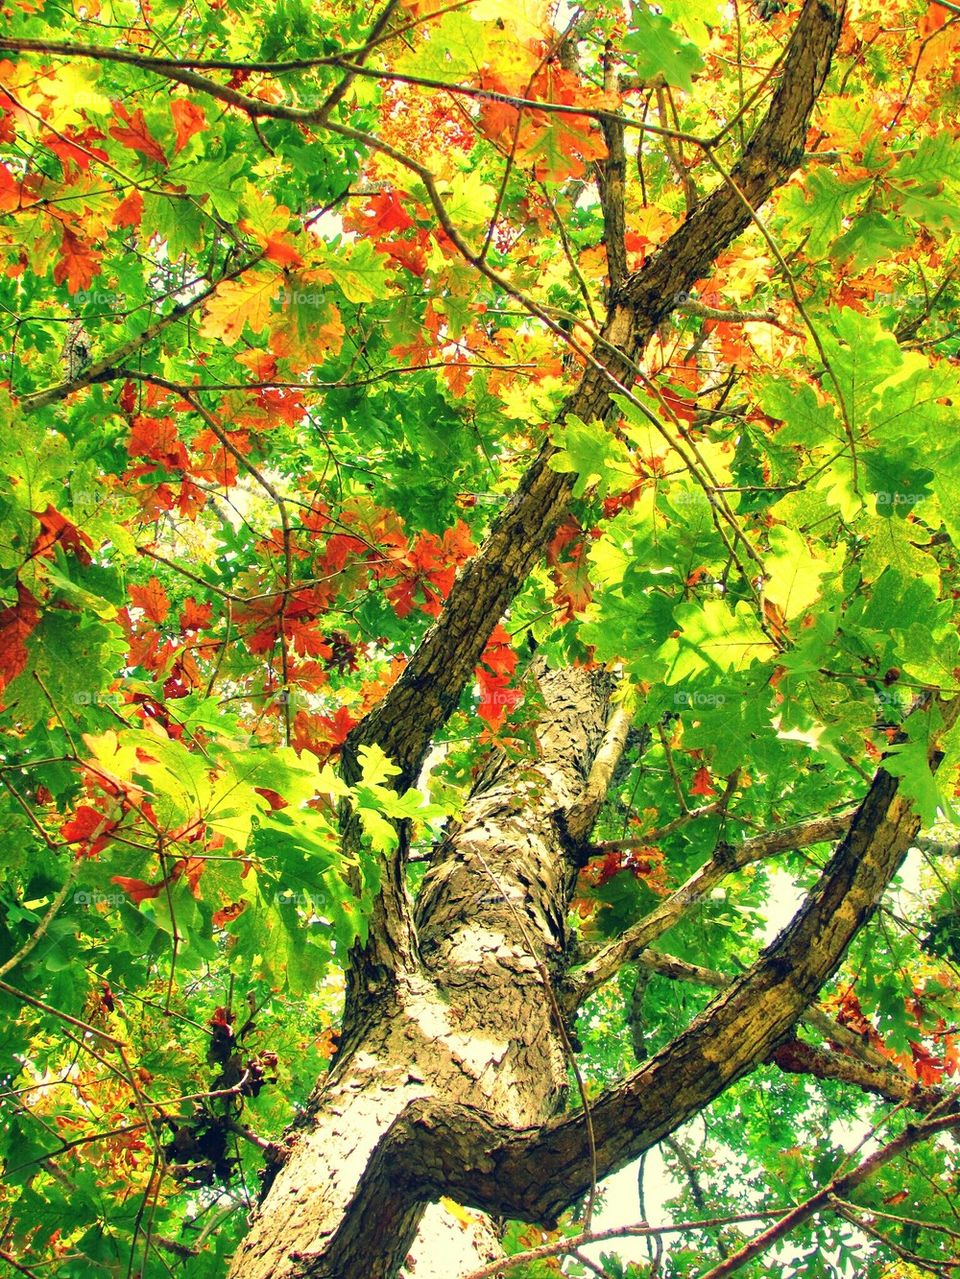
(188, 119)
(152, 599)
(237, 303)
(135, 135)
(78, 264)
(227, 913)
(278, 250)
(129, 211)
(701, 782)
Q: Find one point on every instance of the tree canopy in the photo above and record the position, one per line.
(480, 493)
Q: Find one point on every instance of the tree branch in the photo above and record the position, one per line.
(580, 818)
(435, 1149)
(585, 979)
(406, 719)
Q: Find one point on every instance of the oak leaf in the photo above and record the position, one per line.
(241, 302)
(133, 133)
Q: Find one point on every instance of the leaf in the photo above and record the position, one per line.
(188, 120)
(589, 450)
(360, 273)
(129, 212)
(794, 574)
(77, 264)
(152, 599)
(658, 50)
(241, 303)
(714, 637)
(17, 622)
(132, 132)
(909, 761)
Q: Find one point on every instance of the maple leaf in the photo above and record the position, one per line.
(133, 133)
(152, 599)
(188, 119)
(90, 828)
(17, 621)
(77, 264)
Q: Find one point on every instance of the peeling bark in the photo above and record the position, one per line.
(467, 1023)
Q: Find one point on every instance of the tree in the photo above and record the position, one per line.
(480, 521)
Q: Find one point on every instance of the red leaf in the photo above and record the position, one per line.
(55, 528)
(499, 656)
(9, 190)
(152, 599)
(273, 799)
(701, 782)
(128, 397)
(497, 701)
(188, 119)
(137, 136)
(136, 889)
(16, 623)
(77, 263)
(386, 213)
(337, 727)
(89, 827)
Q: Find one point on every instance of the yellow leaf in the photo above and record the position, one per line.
(464, 1217)
(237, 303)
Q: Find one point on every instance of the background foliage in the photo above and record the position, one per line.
(285, 316)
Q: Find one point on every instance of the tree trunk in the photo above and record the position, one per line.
(470, 1020)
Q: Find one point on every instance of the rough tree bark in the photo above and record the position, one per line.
(464, 1020)
(452, 1075)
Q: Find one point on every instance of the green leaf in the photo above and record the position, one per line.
(589, 450)
(658, 50)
